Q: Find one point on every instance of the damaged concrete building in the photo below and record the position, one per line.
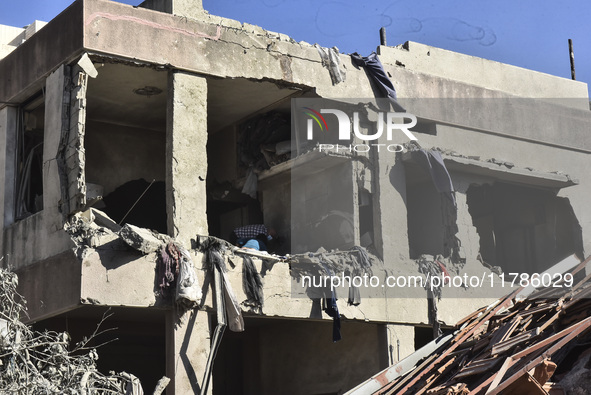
(127, 130)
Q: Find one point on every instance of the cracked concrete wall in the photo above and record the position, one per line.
(72, 151)
(400, 342)
(8, 117)
(186, 156)
(222, 47)
(525, 154)
(59, 291)
(189, 339)
(8, 121)
(40, 235)
(115, 276)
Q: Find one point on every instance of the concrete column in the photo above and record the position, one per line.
(392, 234)
(401, 342)
(187, 349)
(52, 133)
(8, 117)
(186, 156)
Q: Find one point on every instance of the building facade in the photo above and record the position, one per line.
(163, 101)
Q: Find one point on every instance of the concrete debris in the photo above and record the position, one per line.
(161, 385)
(87, 234)
(577, 381)
(143, 240)
(86, 64)
(495, 269)
(332, 61)
(102, 219)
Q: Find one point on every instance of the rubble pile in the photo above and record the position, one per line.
(535, 345)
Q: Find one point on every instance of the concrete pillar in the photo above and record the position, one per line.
(401, 342)
(186, 156)
(52, 133)
(392, 233)
(8, 116)
(187, 349)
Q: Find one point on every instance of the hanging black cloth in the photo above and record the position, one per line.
(330, 307)
(376, 72)
(252, 283)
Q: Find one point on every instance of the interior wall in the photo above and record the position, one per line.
(227, 207)
(322, 208)
(276, 204)
(523, 229)
(116, 154)
(221, 153)
(298, 357)
(425, 225)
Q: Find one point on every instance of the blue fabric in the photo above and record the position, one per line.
(255, 245)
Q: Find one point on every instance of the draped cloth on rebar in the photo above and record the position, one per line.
(361, 266)
(168, 266)
(332, 61)
(329, 305)
(176, 270)
(188, 292)
(432, 269)
(252, 283)
(432, 162)
(233, 311)
(377, 74)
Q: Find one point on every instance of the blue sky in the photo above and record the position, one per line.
(527, 33)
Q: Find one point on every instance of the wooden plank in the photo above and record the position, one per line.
(544, 371)
(505, 346)
(550, 340)
(477, 367)
(496, 378)
(470, 317)
(573, 332)
(463, 337)
(540, 309)
(526, 384)
(550, 321)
